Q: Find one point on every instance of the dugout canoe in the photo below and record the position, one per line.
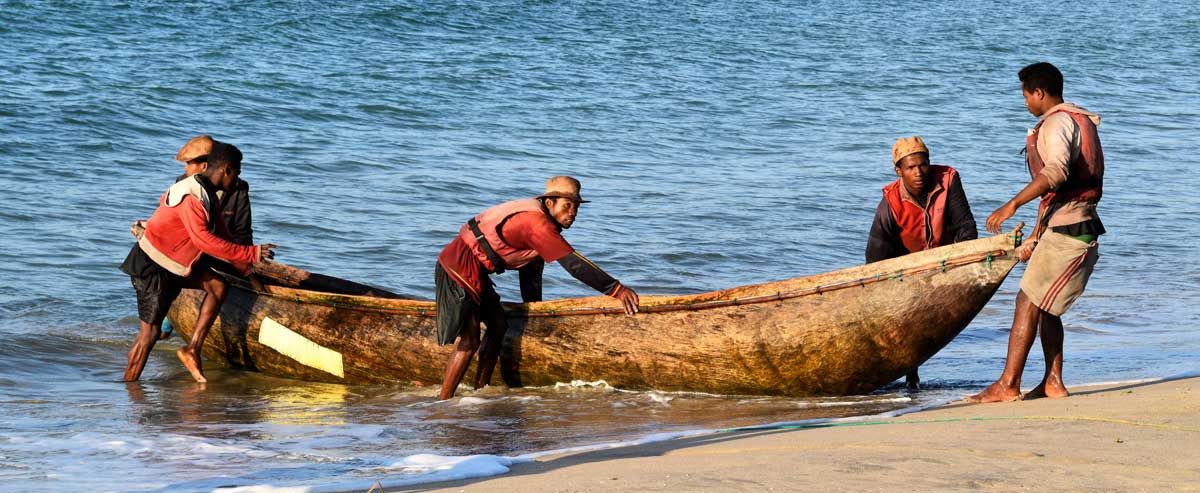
(844, 332)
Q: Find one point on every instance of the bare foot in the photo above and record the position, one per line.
(996, 393)
(1053, 389)
(192, 363)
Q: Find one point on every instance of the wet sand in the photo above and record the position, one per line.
(1132, 437)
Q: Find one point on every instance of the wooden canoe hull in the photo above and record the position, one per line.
(844, 332)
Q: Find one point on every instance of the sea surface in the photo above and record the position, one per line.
(721, 143)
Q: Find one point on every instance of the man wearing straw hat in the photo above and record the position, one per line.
(924, 208)
(521, 234)
(181, 240)
(235, 204)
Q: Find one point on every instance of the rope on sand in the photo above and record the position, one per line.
(1114, 421)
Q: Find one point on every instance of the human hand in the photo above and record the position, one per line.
(1026, 250)
(628, 298)
(266, 251)
(996, 220)
(138, 229)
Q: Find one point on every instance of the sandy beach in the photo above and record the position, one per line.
(1124, 437)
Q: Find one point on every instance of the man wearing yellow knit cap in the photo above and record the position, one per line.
(924, 208)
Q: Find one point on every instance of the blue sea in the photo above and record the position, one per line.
(721, 144)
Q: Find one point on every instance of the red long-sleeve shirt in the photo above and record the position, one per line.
(187, 225)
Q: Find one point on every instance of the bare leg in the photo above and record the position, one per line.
(1052, 347)
(456, 367)
(913, 380)
(140, 352)
(489, 353)
(493, 342)
(214, 297)
(1020, 340)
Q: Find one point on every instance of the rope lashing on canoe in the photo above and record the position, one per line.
(1018, 235)
(986, 258)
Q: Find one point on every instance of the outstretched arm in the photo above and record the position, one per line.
(195, 221)
(1054, 144)
(1036, 188)
(588, 273)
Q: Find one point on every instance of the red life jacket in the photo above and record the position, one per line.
(489, 222)
(921, 228)
(186, 225)
(1085, 175)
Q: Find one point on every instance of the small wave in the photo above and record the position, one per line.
(418, 469)
(660, 398)
(583, 384)
(823, 404)
(472, 401)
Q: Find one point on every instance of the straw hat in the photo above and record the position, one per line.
(907, 145)
(564, 187)
(196, 148)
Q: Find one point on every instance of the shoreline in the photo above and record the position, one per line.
(1139, 435)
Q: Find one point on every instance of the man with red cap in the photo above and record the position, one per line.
(924, 208)
(522, 234)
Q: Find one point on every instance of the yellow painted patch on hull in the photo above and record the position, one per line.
(299, 348)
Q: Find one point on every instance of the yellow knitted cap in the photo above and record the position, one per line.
(907, 145)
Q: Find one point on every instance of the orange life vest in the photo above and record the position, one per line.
(489, 222)
(1085, 176)
(921, 228)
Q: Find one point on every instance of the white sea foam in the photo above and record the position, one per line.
(429, 468)
(824, 404)
(583, 384)
(471, 401)
(660, 398)
(414, 469)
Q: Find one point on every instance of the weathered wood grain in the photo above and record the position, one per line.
(843, 332)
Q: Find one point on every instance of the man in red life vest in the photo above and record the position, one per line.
(235, 206)
(1066, 163)
(181, 240)
(924, 208)
(521, 234)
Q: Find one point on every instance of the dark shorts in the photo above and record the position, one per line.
(456, 309)
(155, 293)
(156, 288)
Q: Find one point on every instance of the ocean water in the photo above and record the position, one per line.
(722, 143)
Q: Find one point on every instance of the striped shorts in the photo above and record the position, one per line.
(1058, 271)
